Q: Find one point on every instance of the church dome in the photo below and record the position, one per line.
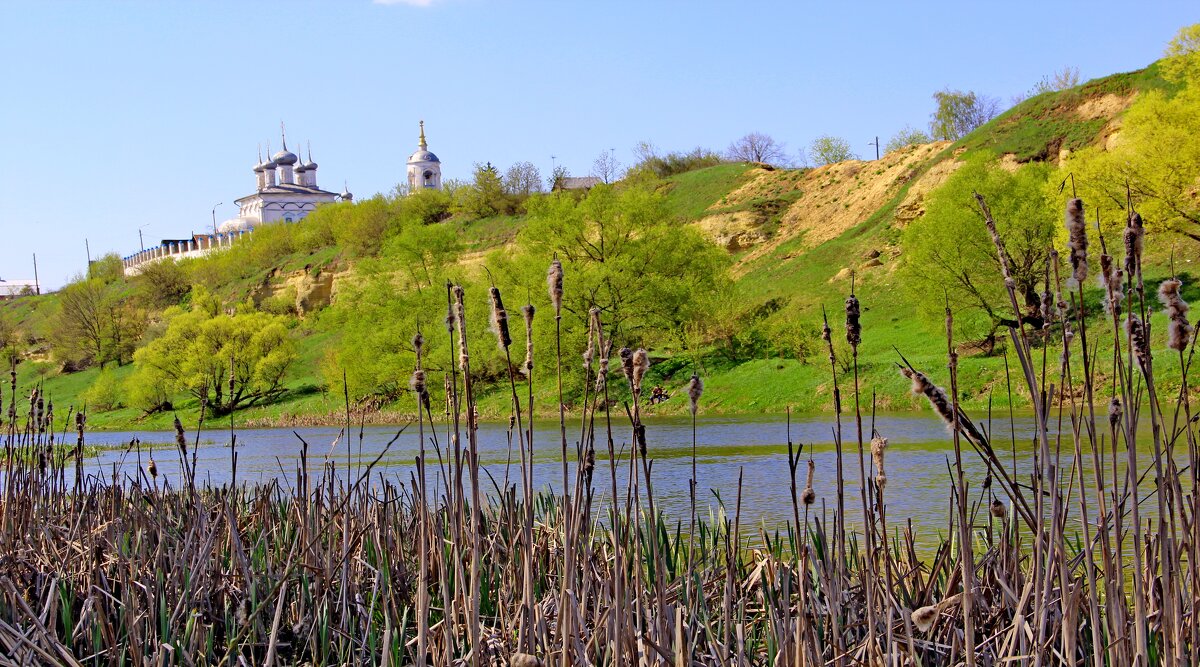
(284, 158)
(423, 156)
(260, 167)
(301, 168)
(237, 224)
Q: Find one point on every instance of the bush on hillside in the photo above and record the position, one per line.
(105, 393)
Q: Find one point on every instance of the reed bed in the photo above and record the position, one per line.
(355, 566)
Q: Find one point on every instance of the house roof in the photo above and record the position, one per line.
(288, 189)
(579, 182)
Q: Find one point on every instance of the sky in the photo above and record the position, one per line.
(117, 117)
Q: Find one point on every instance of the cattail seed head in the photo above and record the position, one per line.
(417, 384)
(152, 468)
(626, 356)
(602, 372)
(695, 390)
(998, 509)
(1114, 412)
(1077, 240)
(418, 345)
(1134, 238)
(1139, 341)
(1179, 330)
(460, 323)
(826, 332)
(180, 438)
(938, 399)
(641, 364)
(810, 495)
(527, 312)
(554, 281)
(499, 319)
(878, 448)
(924, 617)
(853, 326)
(1047, 309)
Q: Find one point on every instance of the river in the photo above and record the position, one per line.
(755, 449)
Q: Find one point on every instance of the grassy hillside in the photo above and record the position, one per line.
(797, 239)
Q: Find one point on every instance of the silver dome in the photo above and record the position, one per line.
(423, 156)
(284, 158)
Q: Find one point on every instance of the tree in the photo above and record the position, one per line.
(606, 167)
(908, 136)
(423, 251)
(948, 253)
(107, 269)
(485, 196)
(1182, 61)
(522, 179)
(203, 348)
(625, 255)
(557, 177)
(1157, 153)
(757, 147)
(828, 149)
(959, 113)
(161, 284)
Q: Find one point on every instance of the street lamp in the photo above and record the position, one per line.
(141, 242)
(214, 216)
(876, 145)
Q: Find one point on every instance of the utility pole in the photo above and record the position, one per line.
(37, 286)
(88, 248)
(214, 209)
(876, 145)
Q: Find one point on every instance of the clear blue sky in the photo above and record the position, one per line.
(120, 115)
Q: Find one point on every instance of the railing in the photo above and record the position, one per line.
(198, 246)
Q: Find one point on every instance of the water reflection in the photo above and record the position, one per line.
(754, 449)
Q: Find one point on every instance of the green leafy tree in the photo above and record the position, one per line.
(828, 149)
(1157, 152)
(948, 254)
(162, 284)
(958, 113)
(908, 136)
(95, 323)
(485, 196)
(202, 348)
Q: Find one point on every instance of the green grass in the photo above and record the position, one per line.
(1038, 127)
(691, 193)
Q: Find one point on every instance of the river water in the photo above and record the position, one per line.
(918, 458)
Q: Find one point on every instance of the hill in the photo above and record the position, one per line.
(797, 242)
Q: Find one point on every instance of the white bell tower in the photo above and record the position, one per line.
(424, 168)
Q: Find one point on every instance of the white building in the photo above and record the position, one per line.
(11, 289)
(286, 190)
(424, 168)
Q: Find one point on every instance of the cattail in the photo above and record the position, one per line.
(152, 468)
(417, 384)
(1139, 341)
(998, 509)
(460, 322)
(936, 395)
(450, 318)
(180, 438)
(527, 313)
(499, 319)
(1110, 281)
(695, 390)
(1077, 240)
(626, 355)
(878, 447)
(524, 659)
(853, 326)
(826, 332)
(1179, 330)
(924, 617)
(809, 495)
(593, 325)
(1134, 237)
(602, 372)
(1047, 309)
(1114, 412)
(554, 280)
(641, 364)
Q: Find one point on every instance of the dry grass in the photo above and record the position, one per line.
(354, 566)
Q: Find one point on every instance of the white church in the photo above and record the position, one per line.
(286, 190)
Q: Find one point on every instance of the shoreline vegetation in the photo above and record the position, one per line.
(353, 567)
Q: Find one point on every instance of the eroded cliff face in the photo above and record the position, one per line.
(304, 291)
